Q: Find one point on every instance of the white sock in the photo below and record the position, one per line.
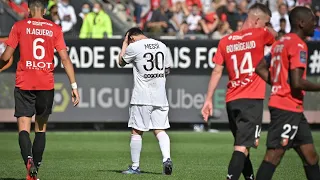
(164, 142)
(135, 146)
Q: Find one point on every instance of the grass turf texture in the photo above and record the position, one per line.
(103, 155)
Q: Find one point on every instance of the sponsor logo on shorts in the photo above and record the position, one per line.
(285, 142)
(256, 143)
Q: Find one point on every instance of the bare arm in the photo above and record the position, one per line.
(155, 24)
(67, 65)
(122, 63)
(207, 108)
(8, 65)
(297, 82)
(263, 71)
(216, 22)
(6, 56)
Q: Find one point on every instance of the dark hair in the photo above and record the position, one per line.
(52, 7)
(283, 20)
(261, 7)
(97, 2)
(134, 32)
(32, 4)
(299, 13)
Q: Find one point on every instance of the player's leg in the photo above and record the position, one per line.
(305, 148)
(44, 102)
(139, 122)
(39, 141)
(160, 122)
(24, 110)
(245, 126)
(280, 137)
(135, 148)
(310, 160)
(247, 171)
(271, 160)
(236, 163)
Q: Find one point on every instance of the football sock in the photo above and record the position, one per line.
(312, 172)
(266, 171)
(135, 145)
(236, 165)
(25, 146)
(164, 142)
(39, 144)
(248, 169)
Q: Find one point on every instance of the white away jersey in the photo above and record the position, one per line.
(149, 58)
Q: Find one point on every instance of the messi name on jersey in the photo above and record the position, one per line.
(241, 46)
(39, 32)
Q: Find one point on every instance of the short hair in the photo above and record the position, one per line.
(299, 13)
(134, 32)
(97, 2)
(283, 4)
(261, 7)
(283, 20)
(42, 4)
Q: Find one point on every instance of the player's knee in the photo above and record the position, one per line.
(312, 158)
(274, 156)
(156, 131)
(137, 132)
(41, 123)
(242, 149)
(24, 124)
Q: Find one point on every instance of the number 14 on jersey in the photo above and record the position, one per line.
(246, 61)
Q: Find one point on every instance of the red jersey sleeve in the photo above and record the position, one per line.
(59, 40)
(13, 39)
(218, 57)
(269, 39)
(297, 54)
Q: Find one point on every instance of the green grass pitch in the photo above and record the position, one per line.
(102, 155)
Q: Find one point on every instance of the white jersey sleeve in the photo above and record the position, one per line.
(130, 54)
(168, 59)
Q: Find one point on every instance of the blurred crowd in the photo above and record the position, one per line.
(211, 18)
(91, 22)
(184, 19)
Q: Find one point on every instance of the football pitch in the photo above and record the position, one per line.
(103, 155)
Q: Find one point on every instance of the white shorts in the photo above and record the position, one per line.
(144, 118)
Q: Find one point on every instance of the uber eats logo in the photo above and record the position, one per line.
(61, 98)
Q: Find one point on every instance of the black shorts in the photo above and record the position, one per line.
(245, 118)
(31, 102)
(287, 129)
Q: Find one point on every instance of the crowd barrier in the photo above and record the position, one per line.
(105, 88)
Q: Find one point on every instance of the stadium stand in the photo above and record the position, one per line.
(174, 19)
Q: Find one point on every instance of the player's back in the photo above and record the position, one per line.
(149, 72)
(288, 53)
(37, 39)
(242, 52)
